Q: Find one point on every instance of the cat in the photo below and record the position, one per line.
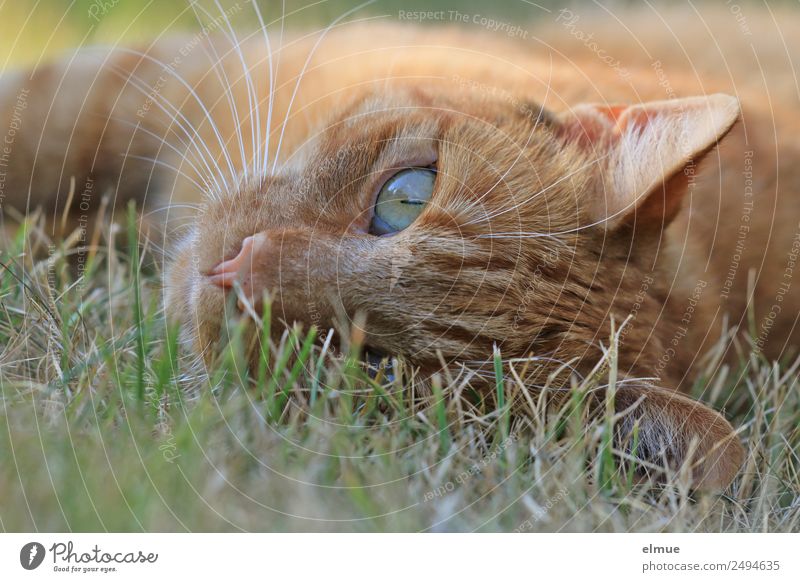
(461, 191)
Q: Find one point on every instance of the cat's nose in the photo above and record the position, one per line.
(225, 273)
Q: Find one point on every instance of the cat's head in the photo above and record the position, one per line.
(454, 223)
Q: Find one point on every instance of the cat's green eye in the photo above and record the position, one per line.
(401, 200)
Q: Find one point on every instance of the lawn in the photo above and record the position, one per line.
(106, 424)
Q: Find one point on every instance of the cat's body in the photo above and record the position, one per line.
(531, 241)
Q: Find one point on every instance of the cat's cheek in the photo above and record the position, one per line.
(309, 276)
(189, 302)
(207, 316)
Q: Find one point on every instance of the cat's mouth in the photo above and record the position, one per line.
(227, 272)
(378, 363)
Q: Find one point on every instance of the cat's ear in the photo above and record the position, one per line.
(646, 153)
(682, 433)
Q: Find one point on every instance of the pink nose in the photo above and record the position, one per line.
(224, 274)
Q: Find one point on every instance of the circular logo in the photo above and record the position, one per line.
(31, 555)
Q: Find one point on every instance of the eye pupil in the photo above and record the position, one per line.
(402, 199)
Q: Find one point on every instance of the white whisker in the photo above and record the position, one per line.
(252, 96)
(272, 80)
(219, 67)
(162, 141)
(176, 117)
(197, 98)
(169, 167)
(311, 54)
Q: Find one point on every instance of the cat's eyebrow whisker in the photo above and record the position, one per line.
(179, 119)
(197, 98)
(494, 215)
(561, 232)
(302, 73)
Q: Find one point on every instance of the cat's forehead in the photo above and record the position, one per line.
(373, 130)
(442, 99)
(405, 119)
(386, 103)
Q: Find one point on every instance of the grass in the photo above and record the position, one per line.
(107, 425)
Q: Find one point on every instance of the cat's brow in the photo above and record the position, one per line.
(539, 118)
(494, 215)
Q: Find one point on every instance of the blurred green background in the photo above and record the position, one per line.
(36, 28)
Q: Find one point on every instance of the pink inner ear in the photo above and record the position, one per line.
(623, 117)
(612, 112)
(637, 117)
(643, 149)
(587, 126)
(590, 124)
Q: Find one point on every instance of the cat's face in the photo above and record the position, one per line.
(503, 238)
(454, 223)
(481, 259)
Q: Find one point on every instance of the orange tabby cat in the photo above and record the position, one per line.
(458, 190)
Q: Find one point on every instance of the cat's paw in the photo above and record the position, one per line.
(681, 433)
